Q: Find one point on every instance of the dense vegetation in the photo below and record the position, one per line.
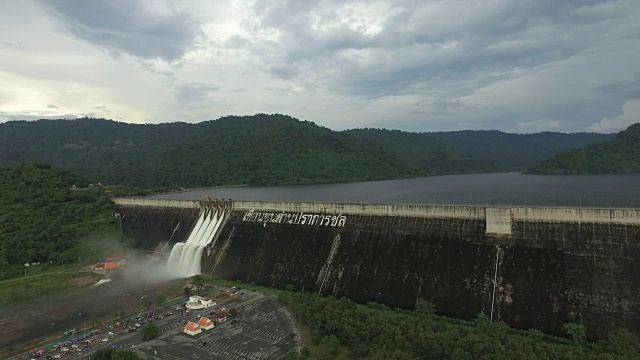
(260, 149)
(115, 354)
(513, 152)
(264, 149)
(343, 329)
(43, 221)
(423, 153)
(619, 155)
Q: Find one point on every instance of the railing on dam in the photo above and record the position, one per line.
(187, 204)
(498, 218)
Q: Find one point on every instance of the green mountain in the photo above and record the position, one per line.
(260, 149)
(42, 220)
(619, 155)
(423, 153)
(265, 149)
(513, 152)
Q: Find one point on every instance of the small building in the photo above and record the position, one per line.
(192, 329)
(205, 323)
(198, 302)
(113, 262)
(220, 316)
(116, 259)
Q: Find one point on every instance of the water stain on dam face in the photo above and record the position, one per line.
(552, 267)
(385, 259)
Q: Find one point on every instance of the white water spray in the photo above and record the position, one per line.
(184, 259)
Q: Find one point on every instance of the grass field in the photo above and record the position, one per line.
(44, 284)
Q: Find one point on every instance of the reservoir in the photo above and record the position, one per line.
(473, 189)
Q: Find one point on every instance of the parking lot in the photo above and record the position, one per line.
(262, 330)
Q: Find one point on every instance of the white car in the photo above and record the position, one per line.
(110, 333)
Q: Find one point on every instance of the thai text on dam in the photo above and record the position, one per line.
(295, 218)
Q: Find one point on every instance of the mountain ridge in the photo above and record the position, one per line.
(620, 155)
(241, 150)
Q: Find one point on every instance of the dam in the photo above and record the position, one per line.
(531, 267)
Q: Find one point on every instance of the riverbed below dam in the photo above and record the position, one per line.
(550, 266)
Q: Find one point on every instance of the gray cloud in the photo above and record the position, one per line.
(624, 90)
(102, 108)
(429, 43)
(129, 26)
(419, 65)
(439, 106)
(15, 45)
(452, 49)
(195, 92)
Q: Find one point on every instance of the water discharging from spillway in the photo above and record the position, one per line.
(185, 257)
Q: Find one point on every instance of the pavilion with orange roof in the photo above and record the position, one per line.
(192, 329)
(205, 323)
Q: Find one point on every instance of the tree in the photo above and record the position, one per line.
(292, 355)
(150, 331)
(624, 341)
(233, 312)
(331, 344)
(425, 309)
(124, 355)
(187, 291)
(111, 354)
(535, 334)
(197, 280)
(102, 354)
(575, 331)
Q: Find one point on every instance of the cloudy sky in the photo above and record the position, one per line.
(416, 65)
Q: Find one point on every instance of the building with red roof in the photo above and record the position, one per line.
(112, 262)
(192, 329)
(116, 259)
(205, 323)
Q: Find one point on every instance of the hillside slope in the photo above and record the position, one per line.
(616, 156)
(512, 152)
(423, 153)
(264, 150)
(260, 149)
(41, 219)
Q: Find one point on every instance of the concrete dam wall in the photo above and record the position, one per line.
(550, 266)
(156, 228)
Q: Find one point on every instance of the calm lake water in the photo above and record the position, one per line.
(502, 188)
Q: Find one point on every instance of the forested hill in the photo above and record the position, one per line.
(513, 152)
(424, 153)
(619, 155)
(263, 150)
(41, 219)
(260, 149)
